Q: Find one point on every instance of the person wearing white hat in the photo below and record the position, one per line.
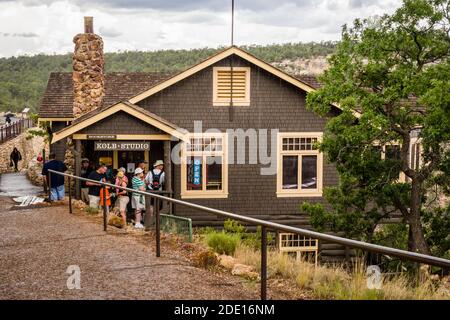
(137, 200)
(155, 178)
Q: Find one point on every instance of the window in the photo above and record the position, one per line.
(231, 86)
(299, 165)
(204, 167)
(415, 159)
(392, 152)
(299, 245)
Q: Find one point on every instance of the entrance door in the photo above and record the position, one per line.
(128, 159)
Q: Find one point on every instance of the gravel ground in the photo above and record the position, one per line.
(37, 246)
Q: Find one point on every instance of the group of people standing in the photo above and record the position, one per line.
(96, 196)
(92, 193)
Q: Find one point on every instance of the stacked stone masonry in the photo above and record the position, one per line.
(88, 73)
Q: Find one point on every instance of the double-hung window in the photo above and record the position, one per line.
(300, 165)
(204, 172)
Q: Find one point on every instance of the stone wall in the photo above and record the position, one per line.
(29, 149)
(88, 73)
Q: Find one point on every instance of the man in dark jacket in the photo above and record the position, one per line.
(15, 157)
(57, 191)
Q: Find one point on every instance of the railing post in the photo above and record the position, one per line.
(157, 226)
(263, 263)
(49, 186)
(104, 209)
(43, 162)
(70, 194)
(148, 210)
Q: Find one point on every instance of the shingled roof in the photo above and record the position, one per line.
(57, 101)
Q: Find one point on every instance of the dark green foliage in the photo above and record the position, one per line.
(232, 226)
(379, 66)
(392, 235)
(437, 231)
(23, 79)
(223, 243)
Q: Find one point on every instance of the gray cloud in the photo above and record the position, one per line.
(356, 4)
(109, 32)
(19, 35)
(176, 24)
(178, 5)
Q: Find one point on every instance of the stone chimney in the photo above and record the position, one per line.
(88, 70)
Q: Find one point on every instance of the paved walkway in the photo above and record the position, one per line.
(16, 185)
(38, 245)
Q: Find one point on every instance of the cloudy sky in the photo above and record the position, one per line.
(47, 26)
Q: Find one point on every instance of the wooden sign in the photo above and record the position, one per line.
(101, 137)
(121, 145)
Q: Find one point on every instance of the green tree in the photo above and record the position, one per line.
(23, 79)
(391, 77)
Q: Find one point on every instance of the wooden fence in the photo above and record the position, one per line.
(12, 130)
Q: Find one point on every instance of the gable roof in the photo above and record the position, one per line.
(57, 101)
(233, 50)
(133, 110)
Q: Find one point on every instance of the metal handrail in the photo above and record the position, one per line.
(412, 256)
(12, 130)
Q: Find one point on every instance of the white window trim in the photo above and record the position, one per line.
(401, 177)
(236, 102)
(205, 194)
(299, 192)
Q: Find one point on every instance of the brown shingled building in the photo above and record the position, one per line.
(231, 91)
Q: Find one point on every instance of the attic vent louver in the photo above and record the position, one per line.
(227, 89)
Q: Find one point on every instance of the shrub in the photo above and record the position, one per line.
(253, 239)
(222, 243)
(205, 230)
(232, 226)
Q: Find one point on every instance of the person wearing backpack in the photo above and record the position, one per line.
(155, 178)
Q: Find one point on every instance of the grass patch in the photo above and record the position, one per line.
(91, 211)
(334, 282)
(222, 243)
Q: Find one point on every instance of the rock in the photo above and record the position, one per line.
(79, 204)
(115, 221)
(227, 262)
(244, 271)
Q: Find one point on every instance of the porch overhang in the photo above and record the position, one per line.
(94, 116)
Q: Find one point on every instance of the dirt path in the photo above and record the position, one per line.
(38, 245)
